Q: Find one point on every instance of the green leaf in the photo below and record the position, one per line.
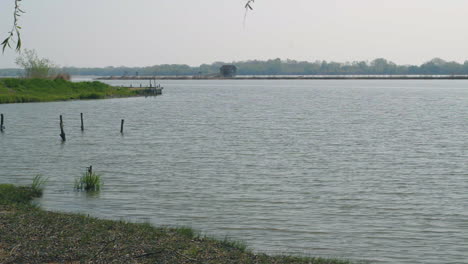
(5, 43)
(18, 45)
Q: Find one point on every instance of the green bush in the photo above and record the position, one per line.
(90, 181)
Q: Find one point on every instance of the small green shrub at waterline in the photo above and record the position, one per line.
(90, 181)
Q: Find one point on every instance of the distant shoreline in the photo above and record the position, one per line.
(294, 77)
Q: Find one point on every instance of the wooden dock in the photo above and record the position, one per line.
(148, 91)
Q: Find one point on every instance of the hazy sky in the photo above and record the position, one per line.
(99, 33)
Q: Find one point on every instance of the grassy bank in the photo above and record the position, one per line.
(31, 235)
(40, 90)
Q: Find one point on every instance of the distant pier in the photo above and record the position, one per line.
(293, 77)
(148, 91)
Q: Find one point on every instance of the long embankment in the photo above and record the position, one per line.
(294, 77)
(29, 234)
(14, 90)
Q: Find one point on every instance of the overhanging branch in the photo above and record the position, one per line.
(14, 33)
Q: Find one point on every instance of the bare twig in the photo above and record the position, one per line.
(14, 249)
(172, 250)
(182, 255)
(248, 6)
(103, 248)
(149, 254)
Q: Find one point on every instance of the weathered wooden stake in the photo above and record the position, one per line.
(121, 126)
(62, 133)
(1, 123)
(82, 125)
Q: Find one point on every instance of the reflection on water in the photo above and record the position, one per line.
(372, 170)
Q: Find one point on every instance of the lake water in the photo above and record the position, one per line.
(363, 170)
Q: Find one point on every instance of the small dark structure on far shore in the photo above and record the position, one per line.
(228, 71)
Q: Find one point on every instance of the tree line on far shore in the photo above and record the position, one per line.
(379, 66)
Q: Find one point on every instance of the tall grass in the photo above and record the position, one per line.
(37, 185)
(185, 231)
(89, 181)
(240, 245)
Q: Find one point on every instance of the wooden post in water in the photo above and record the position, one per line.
(62, 133)
(1, 123)
(82, 125)
(121, 126)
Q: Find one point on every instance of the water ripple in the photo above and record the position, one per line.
(373, 170)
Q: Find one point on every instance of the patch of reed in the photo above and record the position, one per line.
(89, 181)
